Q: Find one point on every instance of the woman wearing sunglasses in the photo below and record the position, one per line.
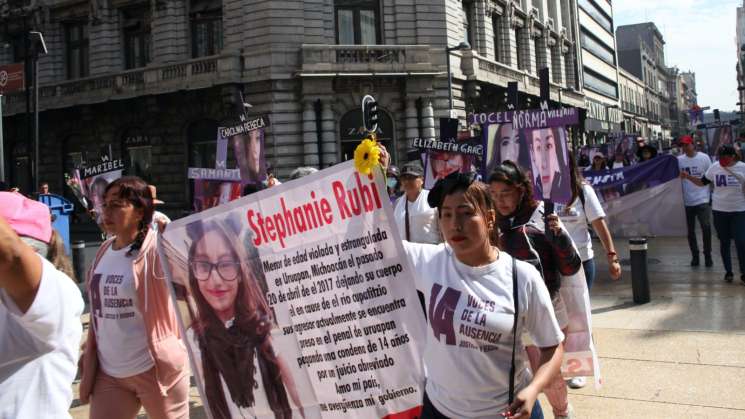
(230, 336)
(133, 356)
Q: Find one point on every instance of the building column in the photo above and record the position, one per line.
(310, 135)
(328, 134)
(428, 120)
(412, 124)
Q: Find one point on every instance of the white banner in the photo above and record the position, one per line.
(297, 301)
(657, 211)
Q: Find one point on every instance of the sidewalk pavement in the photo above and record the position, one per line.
(679, 356)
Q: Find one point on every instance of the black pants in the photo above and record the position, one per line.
(430, 412)
(730, 227)
(703, 213)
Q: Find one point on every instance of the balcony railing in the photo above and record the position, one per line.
(476, 67)
(340, 59)
(187, 75)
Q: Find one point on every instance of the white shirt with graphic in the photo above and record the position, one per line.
(470, 312)
(695, 166)
(728, 195)
(120, 328)
(577, 215)
(423, 221)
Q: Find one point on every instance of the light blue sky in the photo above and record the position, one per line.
(699, 36)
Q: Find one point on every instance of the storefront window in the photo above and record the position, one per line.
(352, 133)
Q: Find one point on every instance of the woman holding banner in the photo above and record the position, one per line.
(243, 375)
(133, 355)
(550, 249)
(476, 374)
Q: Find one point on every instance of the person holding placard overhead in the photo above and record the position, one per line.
(728, 204)
(527, 233)
(481, 300)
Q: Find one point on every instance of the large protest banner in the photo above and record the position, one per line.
(645, 199)
(96, 178)
(297, 299)
(534, 139)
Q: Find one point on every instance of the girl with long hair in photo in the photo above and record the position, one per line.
(477, 368)
(549, 162)
(134, 356)
(231, 334)
(528, 234)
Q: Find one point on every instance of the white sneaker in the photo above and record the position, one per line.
(577, 382)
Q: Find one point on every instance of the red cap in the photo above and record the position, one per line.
(26, 217)
(686, 139)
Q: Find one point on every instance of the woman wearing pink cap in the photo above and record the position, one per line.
(134, 356)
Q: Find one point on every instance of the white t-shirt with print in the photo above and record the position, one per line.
(469, 342)
(423, 221)
(39, 349)
(728, 195)
(120, 328)
(576, 216)
(695, 166)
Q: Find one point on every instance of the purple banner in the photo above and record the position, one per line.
(612, 184)
(528, 119)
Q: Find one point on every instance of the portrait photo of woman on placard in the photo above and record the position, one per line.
(549, 161)
(230, 335)
(504, 143)
(249, 152)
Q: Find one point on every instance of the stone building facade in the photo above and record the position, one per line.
(151, 81)
(633, 94)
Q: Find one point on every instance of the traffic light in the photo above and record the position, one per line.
(369, 113)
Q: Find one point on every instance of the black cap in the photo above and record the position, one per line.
(727, 150)
(447, 185)
(393, 171)
(412, 168)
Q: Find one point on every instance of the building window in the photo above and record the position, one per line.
(540, 54)
(357, 22)
(597, 14)
(206, 33)
(468, 22)
(518, 46)
(76, 49)
(596, 47)
(496, 21)
(136, 37)
(600, 84)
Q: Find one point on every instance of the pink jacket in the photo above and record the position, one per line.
(161, 324)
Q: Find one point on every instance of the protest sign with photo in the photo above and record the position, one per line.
(247, 140)
(645, 199)
(297, 301)
(96, 178)
(455, 151)
(534, 139)
(211, 193)
(718, 136)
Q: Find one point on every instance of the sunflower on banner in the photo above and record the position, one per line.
(367, 156)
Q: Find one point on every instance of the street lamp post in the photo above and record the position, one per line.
(462, 46)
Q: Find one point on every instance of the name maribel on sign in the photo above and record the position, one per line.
(530, 119)
(463, 147)
(244, 126)
(107, 166)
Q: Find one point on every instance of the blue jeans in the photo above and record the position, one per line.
(589, 267)
(731, 226)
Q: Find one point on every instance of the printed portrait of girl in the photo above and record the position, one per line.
(549, 160)
(243, 374)
(502, 144)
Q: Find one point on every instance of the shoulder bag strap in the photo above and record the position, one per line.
(516, 300)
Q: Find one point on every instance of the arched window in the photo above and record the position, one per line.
(202, 137)
(352, 132)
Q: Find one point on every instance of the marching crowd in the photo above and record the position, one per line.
(491, 241)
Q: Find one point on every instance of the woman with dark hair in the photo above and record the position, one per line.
(528, 234)
(231, 332)
(480, 301)
(727, 176)
(585, 209)
(598, 163)
(133, 356)
(548, 154)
